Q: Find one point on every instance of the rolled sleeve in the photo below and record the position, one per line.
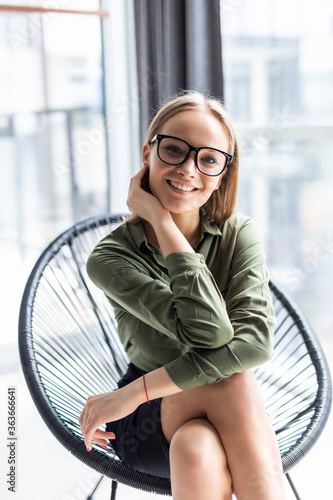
(180, 262)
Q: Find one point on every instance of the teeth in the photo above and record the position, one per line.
(181, 186)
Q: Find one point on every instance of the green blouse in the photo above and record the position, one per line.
(203, 316)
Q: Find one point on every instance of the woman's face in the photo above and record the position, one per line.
(168, 182)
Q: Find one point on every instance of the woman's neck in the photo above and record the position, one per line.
(189, 225)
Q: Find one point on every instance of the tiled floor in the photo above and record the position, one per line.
(47, 471)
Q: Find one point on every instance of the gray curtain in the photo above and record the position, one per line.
(178, 47)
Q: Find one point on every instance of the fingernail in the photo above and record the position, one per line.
(88, 449)
(104, 446)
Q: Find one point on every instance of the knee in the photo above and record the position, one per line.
(194, 443)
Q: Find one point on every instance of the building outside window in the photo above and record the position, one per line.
(53, 152)
(286, 131)
(64, 132)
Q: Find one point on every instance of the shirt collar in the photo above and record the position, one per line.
(209, 226)
(137, 233)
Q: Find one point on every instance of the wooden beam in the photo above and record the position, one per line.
(28, 10)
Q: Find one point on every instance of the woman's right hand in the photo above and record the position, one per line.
(143, 203)
(115, 405)
(107, 407)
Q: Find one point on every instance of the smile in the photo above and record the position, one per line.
(181, 187)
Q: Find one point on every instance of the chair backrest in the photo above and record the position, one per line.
(70, 350)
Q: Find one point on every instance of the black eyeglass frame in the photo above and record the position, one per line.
(159, 137)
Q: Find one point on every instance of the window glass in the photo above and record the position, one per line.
(286, 130)
(240, 91)
(53, 159)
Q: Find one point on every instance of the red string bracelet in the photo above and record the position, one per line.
(144, 383)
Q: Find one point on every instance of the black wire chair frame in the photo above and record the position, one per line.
(69, 349)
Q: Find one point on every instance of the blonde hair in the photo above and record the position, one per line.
(222, 202)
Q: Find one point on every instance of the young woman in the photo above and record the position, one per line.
(187, 281)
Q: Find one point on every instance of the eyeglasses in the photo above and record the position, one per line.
(174, 151)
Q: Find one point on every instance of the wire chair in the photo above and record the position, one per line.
(69, 350)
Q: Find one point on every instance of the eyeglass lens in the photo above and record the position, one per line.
(174, 152)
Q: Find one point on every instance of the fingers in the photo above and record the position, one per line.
(101, 437)
(89, 423)
(104, 434)
(142, 171)
(139, 175)
(139, 178)
(86, 429)
(139, 196)
(89, 427)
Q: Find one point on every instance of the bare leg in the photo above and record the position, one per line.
(198, 463)
(235, 409)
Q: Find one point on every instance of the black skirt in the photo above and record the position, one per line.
(140, 442)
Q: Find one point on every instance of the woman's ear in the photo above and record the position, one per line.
(145, 154)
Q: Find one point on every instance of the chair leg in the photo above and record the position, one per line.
(292, 486)
(91, 496)
(114, 485)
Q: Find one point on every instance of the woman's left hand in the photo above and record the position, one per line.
(142, 202)
(101, 409)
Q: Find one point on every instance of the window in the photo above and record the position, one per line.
(240, 91)
(53, 158)
(283, 86)
(286, 180)
(64, 132)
